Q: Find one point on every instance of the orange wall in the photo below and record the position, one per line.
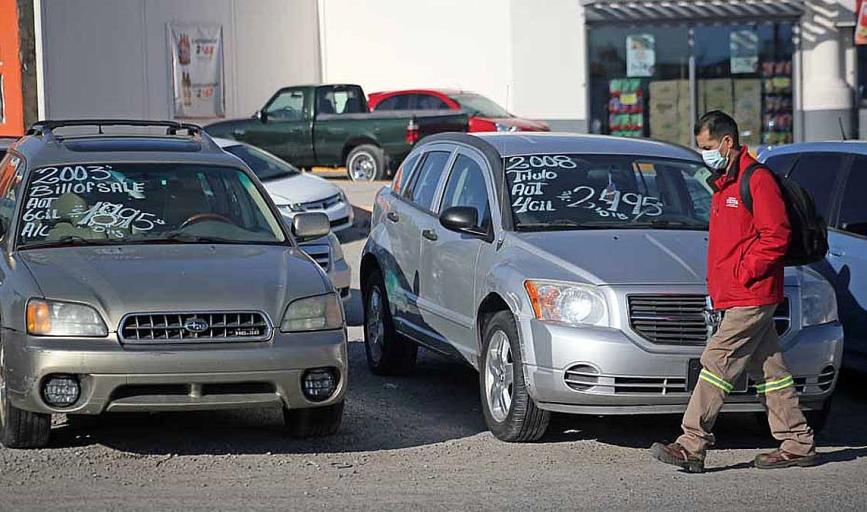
(12, 122)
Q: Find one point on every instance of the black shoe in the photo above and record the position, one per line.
(677, 455)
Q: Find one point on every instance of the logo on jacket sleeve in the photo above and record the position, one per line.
(732, 202)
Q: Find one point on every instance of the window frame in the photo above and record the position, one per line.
(836, 193)
(305, 101)
(419, 165)
(489, 187)
(840, 191)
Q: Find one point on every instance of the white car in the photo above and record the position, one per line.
(295, 192)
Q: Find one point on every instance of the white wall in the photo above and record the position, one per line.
(110, 57)
(397, 44)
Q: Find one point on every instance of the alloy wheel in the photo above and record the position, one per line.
(362, 167)
(375, 324)
(499, 376)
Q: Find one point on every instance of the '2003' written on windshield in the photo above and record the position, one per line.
(530, 176)
(50, 183)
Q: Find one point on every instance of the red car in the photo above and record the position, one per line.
(485, 115)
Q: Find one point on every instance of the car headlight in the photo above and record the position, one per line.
(568, 303)
(818, 301)
(290, 209)
(52, 318)
(321, 313)
(505, 127)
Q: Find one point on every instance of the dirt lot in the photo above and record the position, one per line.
(420, 443)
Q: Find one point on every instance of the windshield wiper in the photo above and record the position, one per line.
(561, 224)
(188, 238)
(70, 241)
(672, 224)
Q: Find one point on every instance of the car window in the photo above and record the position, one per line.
(853, 210)
(781, 164)
(573, 191)
(145, 203)
(11, 178)
(264, 165)
(422, 190)
(396, 102)
(477, 105)
(466, 187)
(287, 106)
(403, 171)
(429, 102)
(343, 100)
(818, 172)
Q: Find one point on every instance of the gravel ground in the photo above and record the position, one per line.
(420, 442)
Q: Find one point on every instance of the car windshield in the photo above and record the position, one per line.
(555, 192)
(133, 203)
(479, 105)
(264, 165)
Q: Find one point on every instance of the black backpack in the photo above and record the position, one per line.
(809, 242)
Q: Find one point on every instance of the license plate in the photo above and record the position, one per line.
(694, 369)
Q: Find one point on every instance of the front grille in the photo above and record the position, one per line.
(321, 254)
(649, 385)
(155, 328)
(680, 319)
(339, 222)
(669, 319)
(323, 204)
(581, 377)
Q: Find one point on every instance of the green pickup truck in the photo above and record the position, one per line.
(331, 126)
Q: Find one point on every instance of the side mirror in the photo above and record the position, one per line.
(262, 116)
(308, 226)
(462, 219)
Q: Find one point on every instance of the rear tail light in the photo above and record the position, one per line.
(412, 133)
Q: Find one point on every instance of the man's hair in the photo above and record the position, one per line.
(718, 125)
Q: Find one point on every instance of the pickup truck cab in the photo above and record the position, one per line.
(331, 126)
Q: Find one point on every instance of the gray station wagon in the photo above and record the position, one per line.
(570, 271)
(152, 273)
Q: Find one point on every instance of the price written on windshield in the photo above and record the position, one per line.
(609, 202)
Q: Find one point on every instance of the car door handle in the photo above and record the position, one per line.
(430, 235)
(392, 216)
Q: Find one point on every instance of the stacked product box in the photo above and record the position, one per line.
(669, 104)
(626, 107)
(777, 116)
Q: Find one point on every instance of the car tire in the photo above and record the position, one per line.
(388, 353)
(366, 163)
(313, 421)
(510, 412)
(20, 428)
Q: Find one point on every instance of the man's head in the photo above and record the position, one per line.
(716, 135)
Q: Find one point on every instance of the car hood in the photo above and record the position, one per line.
(176, 278)
(303, 188)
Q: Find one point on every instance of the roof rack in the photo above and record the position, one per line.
(46, 128)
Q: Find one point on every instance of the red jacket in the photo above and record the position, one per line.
(745, 252)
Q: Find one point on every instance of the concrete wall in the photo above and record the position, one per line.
(110, 57)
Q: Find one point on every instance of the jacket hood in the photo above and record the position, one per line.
(118, 280)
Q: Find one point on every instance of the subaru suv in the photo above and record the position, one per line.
(569, 270)
(150, 272)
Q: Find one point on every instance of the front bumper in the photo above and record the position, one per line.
(341, 216)
(166, 378)
(341, 277)
(634, 380)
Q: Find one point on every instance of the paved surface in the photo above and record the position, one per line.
(420, 443)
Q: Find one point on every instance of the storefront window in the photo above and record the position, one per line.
(744, 70)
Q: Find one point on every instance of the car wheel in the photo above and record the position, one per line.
(366, 163)
(388, 353)
(19, 428)
(509, 410)
(313, 421)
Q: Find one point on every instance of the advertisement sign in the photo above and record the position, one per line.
(197, 70)
(640, 55)
(861, 23)
(744, 51)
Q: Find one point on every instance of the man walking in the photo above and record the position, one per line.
(745, 282)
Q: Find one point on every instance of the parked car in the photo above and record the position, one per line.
(569, 270)
(835, 174)
(296, 192)
(153, 273)
(485, 114)
(331, 126)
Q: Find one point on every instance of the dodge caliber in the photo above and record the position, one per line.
(570, 272)
(153, 273)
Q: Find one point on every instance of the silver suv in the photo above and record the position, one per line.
(570, 271)
(152, 273)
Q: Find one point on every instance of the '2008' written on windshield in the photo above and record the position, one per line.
(50, 183)
(531, 175)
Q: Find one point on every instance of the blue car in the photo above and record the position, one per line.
(835, 173)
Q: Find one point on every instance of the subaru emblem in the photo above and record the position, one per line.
(196, 325)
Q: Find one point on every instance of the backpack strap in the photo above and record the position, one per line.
(746, 193)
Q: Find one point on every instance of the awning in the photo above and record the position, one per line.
(707, 10)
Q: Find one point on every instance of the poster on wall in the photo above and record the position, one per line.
(197, 70)
(861, 22)
(744, 51)
(640, 55)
